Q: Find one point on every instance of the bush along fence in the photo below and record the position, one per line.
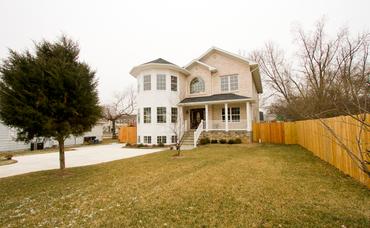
(342, 141)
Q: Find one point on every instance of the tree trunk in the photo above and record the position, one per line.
(61, 154)
(114, 136)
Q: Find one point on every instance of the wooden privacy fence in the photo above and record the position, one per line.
(127, 135)
(317, 138)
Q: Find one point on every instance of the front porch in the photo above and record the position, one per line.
(213, 117)
(210, 116)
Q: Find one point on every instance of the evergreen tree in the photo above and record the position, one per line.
(49, 93)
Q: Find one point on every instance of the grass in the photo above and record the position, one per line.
(214, 185)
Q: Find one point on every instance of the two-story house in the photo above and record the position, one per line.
(217, 92)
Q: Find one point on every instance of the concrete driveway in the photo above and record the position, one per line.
(81, 156)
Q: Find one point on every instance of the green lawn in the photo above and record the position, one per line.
(214, 185)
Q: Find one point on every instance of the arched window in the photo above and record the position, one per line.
(197, 85)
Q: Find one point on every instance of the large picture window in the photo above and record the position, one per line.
(229, 83)
(161, 82)
(161, 115)
(173, 83)
(197, 85)
(147, 82)
(233, 114)
(147, 115)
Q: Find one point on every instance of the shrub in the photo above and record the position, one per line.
(214, 141)
(204, 141)
(161, 144)
(140, 145)
(238, 141)
(231, 141)
(7, 156)
(222, 141)
(128, 144)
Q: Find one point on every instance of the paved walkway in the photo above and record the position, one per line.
(81, 156)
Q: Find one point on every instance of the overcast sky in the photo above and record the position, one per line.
(114, 36)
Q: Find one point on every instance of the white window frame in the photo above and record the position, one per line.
(147, 82)
(161, 115)
(229, 83)
(147, 139)
(174, 115)
(232, 117)
(161, 139)
(147, 116)
(161, 82)
(174, 139)
(174, 83)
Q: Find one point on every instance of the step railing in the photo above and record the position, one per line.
(198, 132)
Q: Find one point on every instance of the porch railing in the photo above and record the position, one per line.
(198, 132)
(240, 124)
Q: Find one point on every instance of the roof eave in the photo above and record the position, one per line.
(216, 102)
(137, 69)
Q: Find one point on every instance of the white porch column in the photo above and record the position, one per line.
(226, 118)
(249, 116)
(206, 106)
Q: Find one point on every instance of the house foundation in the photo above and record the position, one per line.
(245, 136)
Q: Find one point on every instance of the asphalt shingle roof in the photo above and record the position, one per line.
(160, 61)
(215, 97)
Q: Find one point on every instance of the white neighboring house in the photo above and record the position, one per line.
(196, 97)
(8, 135)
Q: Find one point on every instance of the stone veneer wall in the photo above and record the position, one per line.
(245, 136)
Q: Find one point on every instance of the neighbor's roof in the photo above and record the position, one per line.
(253, 65)
(157, 63)
(216, 98)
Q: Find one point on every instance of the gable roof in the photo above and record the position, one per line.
(253, 65)
(195, 61)
(214, 98)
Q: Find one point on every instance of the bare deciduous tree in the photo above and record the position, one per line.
(124, 104)
(331, 79)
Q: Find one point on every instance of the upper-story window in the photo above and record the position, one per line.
(197, 85)
(173, 83)
(147, 82)
(229, 83)
(161, 82)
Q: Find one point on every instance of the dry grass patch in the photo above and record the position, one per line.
(214, 185)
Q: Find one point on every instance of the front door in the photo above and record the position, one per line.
(196, 115)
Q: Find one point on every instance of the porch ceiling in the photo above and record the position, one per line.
(216, 98)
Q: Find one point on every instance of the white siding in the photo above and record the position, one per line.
(7, 140)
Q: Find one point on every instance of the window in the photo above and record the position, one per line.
(138, 139)
(138, 116)
(234, 82)
(161, 82)
(147, 82)
(147, 115)
(233, 114)
(173, 83)
(161, 139)
(173, 115)
(161, 115)
(148, 139)
(173, 139)
(228, 114)
(229, 83)
(197, 85)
